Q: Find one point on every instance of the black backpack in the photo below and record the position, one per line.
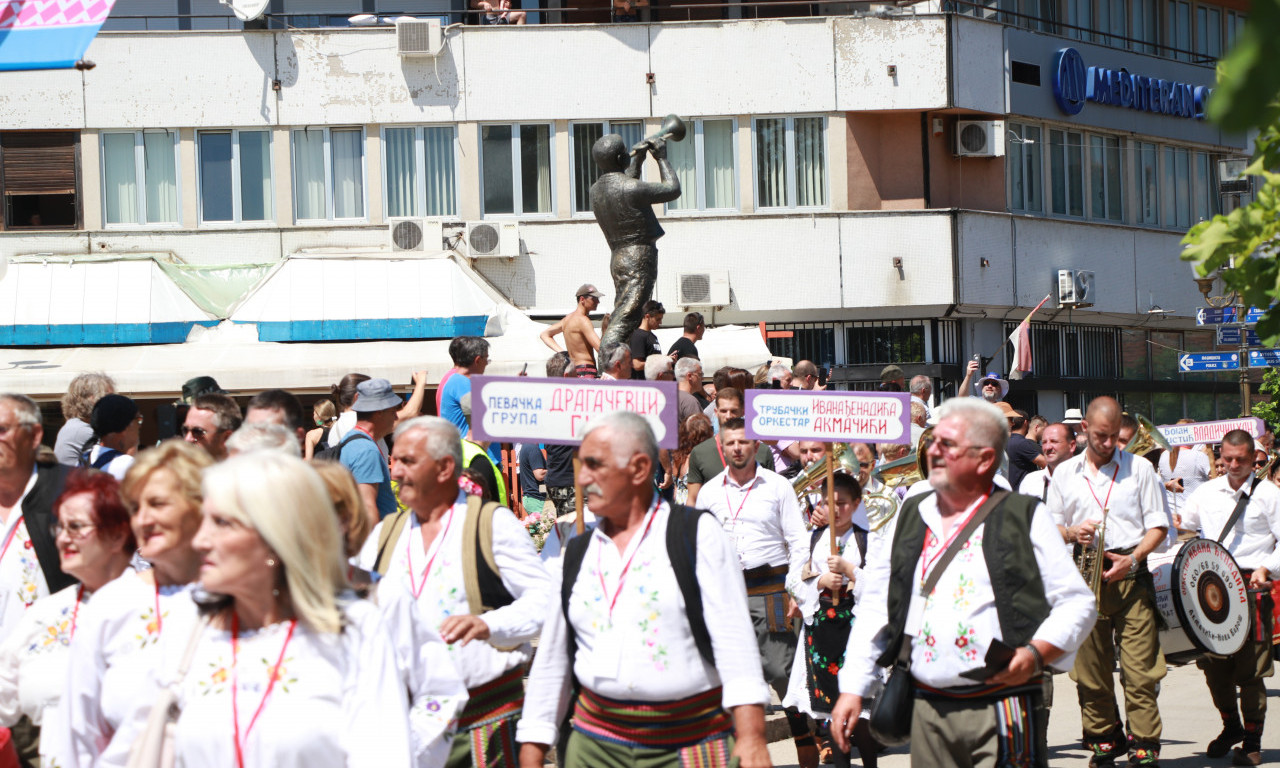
(334, 452)
(106, 457)
(682, 549)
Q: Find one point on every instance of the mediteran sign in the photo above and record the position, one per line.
(1074, 84)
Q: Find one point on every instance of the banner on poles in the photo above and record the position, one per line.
(518, 409)
(1208, 431)
(831, 417)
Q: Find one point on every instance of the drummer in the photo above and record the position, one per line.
(1241, 512)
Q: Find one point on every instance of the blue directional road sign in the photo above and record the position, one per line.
(1200, 362)
(1230, 336)
(1215, 315)
(1264, 358)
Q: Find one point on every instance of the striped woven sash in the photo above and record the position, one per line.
(652, 724)
(765, 580)
(495, 700)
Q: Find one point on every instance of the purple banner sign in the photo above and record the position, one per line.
(1208, 431)
(520, 409)
(829, 417)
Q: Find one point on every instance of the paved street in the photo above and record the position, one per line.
(1190, 721)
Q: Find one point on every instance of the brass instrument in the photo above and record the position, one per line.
(672, 128)
(842, 459)
(1265, 470)
(1146, 439)
(882, 505)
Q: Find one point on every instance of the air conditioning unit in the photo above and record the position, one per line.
(426, 235)
(419, 37)
(979, 138)
(1075, 288)
(703, 289)
(493, 238)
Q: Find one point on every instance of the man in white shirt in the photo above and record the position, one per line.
(1011, 582)
(663, 668)
(1252, 539)
(1056, 444)
(615, 357)
(1104, 482)
(435, 549)
(758, 510)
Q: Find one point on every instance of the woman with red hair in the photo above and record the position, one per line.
(95, 544)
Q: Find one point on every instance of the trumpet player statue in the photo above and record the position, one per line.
(623, 205)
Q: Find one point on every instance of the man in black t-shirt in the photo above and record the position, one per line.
(694, 327)
(533, 470)
(1024, 455)
(559, 478)
(643, 341)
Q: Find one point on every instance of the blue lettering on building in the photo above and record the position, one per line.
(1074, 84)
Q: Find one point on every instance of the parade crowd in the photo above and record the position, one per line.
(362, 587)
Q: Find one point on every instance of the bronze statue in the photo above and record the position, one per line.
(623, 205)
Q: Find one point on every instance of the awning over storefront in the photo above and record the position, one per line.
(247, 366)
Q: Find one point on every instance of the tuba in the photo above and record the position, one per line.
(842, 460)
(883, 504)
(1146, 439)
(672, 128)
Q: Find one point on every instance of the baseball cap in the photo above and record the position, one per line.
(587, 289)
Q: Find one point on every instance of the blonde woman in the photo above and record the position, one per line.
(324, 414)
(286, 674)
(114, 649)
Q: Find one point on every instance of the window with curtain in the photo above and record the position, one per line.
(140, 177)
(1207, 203)
(1178, 28)
(1079, 15)
(1146, 175)
(582, 137)
(1177, 188)
(1235, 24)
(1208, 31)
(1143, 27)
(515, 168)
(1025, 169)
(1066, 172)
(1113, 18)
(1106, 187)
(790, 158)
(419, 172)
(705, 162)
(328, 173)
(235, 175)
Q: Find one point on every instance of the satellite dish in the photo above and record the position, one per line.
(247, 10)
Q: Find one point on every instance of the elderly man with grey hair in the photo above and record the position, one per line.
(263, 436)
(652, 630)
(615, 359)
(688, 381)
(974, 632)
(658, 368)
(476, 578)
(921, 390)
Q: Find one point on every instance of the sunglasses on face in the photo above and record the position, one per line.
(196, 432)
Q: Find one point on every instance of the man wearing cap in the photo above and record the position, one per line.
(991, 388)
(580, 337)
(892, 379)
(116, 424)
(376, 407)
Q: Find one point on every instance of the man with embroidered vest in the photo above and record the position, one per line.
(1252, 539)
(649, 680)
(1011, 581)
(488, 625)
(1105, 482)
(758, 510)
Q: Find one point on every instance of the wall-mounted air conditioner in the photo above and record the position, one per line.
(703, 289)
(1075, 288)
(419, 37)
(493, 238)
(979, 138)
(426, 235)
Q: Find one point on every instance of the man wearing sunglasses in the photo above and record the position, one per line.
(210, 421)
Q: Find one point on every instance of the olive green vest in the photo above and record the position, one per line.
(1011, 563)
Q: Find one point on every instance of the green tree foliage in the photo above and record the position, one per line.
(1270, 410)
(1248, 97)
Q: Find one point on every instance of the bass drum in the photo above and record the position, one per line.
(1203, 599)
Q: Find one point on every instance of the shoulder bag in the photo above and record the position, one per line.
(154, 748)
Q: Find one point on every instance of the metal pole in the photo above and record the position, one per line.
(1245, 406)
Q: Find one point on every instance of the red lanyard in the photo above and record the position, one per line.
(76, 611)
(622, 579)
(1103, 504)
(159, 621)
(734, 520)
(408, 551)
(924, 553)
(273, 674)
(720, 451)
(9, 539)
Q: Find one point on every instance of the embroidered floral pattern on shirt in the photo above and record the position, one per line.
(649, 624)
(216, 680)
(279, 673)
(150, 627)
(55, 635)
(28, 591)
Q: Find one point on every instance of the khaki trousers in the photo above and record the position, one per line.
(965, 733)
(586, 752)
(498, 750)
(1126, 615)
(1245, 669)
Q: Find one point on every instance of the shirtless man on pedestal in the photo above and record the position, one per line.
(580, 337)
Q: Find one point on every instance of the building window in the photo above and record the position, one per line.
(235, 175)
(328, 173)
(1178, 28)
(420, 175)
(582, 137)
(1079, 18)
(1026, 185)
(1066, 170)
(1106, 189)
(791, 162)
(1235, 25)
(516, 168)
(40, 182)
(706, 164)
(1144, 26)
(1146, 173)
(1209, 31)
(140, 177)
(1113, 16)
(1177, 188)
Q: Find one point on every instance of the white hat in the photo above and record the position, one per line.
(1002, 383)
(1073, 416)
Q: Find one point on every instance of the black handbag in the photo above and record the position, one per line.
(891, 713)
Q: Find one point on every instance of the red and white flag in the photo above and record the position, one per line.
(1021, 341)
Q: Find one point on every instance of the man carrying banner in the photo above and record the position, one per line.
(1243, 514)
(651, 640)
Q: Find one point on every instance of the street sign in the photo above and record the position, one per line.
(1229, 335)
(1264, 358)
(1200, 362)
(1215, 315)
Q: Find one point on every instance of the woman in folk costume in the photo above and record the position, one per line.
(116, 635)
(286, 671)
(827, 620)
(94, 546)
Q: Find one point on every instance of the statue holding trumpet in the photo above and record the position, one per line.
(623, 205)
